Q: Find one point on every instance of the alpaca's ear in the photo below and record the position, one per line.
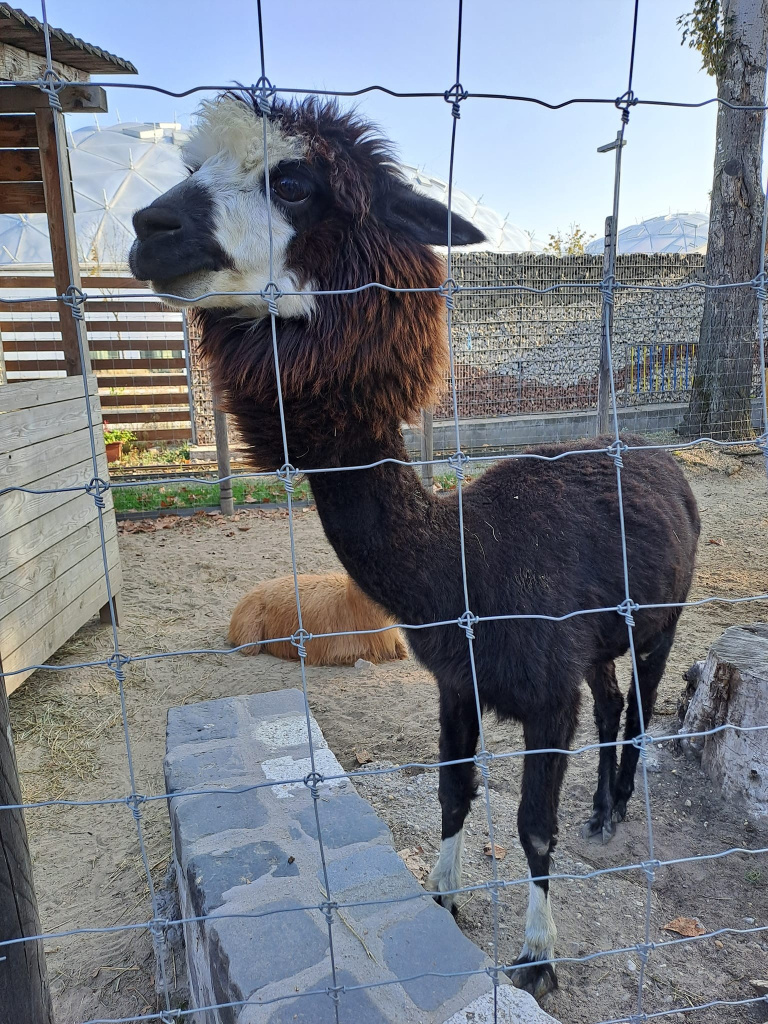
(425, 220)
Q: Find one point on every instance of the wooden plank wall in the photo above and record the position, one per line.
(136, 345)
(51, 566)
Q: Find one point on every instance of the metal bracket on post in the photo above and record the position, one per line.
(427, 448)
(226, 501)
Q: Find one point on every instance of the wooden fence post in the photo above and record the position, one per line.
(606, 334)
(226, 501)
(427, 447)
(24, 995)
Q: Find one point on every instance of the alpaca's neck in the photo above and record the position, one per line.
(388, 532)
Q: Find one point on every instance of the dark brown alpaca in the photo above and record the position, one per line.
(541, 537)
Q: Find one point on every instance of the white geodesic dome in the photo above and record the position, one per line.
(118, 169)
(675, 232)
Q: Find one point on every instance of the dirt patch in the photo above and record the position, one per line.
(183, 578)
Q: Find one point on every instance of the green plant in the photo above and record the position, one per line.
(112, 435)
(573, 243)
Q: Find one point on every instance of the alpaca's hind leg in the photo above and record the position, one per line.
(608, 707)
(537, 828)
(651, 661)
(459, 730)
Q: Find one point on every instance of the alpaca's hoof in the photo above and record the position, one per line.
(445, 900)
(620, 810)
(602, 824)
(533, 976)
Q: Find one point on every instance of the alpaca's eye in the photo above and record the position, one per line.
(289, 189)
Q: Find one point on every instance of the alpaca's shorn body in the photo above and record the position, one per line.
(332, 603)
(541, 537)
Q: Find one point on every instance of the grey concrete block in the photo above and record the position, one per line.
(355, 1007)
(248, 953)
(193, 817)
(210, 875)
(191, 767)
(209, 720)
(347, 819)
(426, 943)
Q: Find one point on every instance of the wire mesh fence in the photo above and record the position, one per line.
(657, 365)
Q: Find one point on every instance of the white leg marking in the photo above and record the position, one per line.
(446, 874)
(540, 930)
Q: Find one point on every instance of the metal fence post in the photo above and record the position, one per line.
(603, 425)
(24, 995)
(226, 501)
(427, 447)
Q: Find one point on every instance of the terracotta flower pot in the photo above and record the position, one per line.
(114, 450)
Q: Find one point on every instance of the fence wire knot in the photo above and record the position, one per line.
(466, 621)
(626, 608)
(649, 869)
(334, 991)
(327, 909)
(759, 284)
(287, 474)
(298, 640)
(168, 1016)
(457, 462)
(455, 95)
(271, 293)
(52, 84)
(638, 1018)
(448, 289)
(264, 93)
(624, 102)
(643, 950)
(157, 927)
(97, 488)
(75, 298)
(116, 662)
(616, 451)
(312, 781)
(607, 286)
(134, 802)
(483, 762)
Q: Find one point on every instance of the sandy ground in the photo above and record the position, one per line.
(182, 582)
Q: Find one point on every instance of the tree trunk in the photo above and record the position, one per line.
(720, 405)
(731, 686)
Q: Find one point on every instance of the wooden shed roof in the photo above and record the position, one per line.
(25, 32)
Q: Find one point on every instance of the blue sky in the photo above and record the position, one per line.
(539, 166)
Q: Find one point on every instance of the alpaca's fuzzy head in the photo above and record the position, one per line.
(342, 216)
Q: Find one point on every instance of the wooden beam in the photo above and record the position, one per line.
(24, 992)
(23, 99)
(54, 158)
(18, 130)
(20, 165)
(95, 281)
(17, 64)
(22, 197)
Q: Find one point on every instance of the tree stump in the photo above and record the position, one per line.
(731, 687)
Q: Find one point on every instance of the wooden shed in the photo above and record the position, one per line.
(52, 576)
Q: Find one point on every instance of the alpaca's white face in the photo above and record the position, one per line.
(211, 232)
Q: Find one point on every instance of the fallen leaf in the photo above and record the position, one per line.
(363, 757)
(686, 926)
(414, 861)
(500, 851)
(244, 528)
(717, 541)
(249, 499)
(230, 533)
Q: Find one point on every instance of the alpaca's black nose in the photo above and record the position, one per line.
(155, 220)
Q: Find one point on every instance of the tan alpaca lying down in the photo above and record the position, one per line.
(329, 604)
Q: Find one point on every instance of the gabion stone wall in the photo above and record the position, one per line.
(524, 352)
(518, 352)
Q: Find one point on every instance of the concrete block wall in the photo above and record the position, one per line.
(246, 862)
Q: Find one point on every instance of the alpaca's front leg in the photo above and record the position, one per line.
(537, 828)
(459, 729)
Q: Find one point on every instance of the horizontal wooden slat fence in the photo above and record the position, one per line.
(137, 345)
